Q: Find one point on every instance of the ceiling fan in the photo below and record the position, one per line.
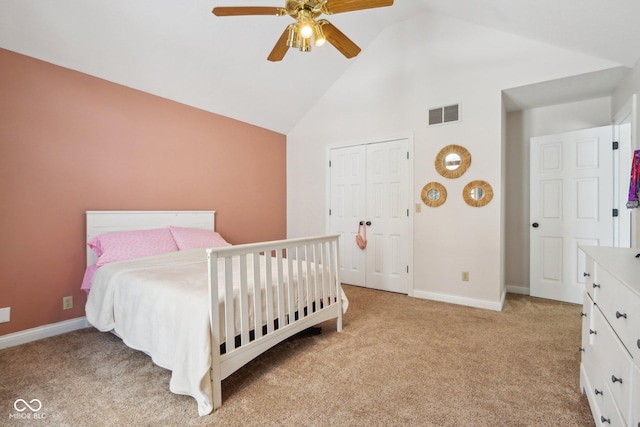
(307, 25)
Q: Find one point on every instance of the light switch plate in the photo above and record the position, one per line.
(5, 314)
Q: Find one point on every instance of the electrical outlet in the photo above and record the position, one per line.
(5, 314)
(67, 303)
(465, 276)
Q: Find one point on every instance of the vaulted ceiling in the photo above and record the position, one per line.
(181, 51)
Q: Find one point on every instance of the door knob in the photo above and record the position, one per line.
(535, 225)
(368, 223)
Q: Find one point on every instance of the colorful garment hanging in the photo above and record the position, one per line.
(634, 200)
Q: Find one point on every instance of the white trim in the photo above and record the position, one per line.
(46, 331)
(455, 299)
(624, 153)
(514, 289)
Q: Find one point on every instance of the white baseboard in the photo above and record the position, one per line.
(456, 299)
(46, 331)
(513, 289)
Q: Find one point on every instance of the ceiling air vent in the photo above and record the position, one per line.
(447, 114)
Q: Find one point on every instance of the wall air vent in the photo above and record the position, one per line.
(448, 114)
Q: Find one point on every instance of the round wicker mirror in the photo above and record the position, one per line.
(453, 161)
(434, 194)
(477, 193)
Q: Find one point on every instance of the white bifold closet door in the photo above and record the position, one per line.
(369, 184)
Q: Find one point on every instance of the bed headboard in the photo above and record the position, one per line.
(99, 222)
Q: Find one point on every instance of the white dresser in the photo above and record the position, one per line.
(610, 368)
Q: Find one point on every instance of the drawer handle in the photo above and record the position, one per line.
(605, 420)
(598, 392)
(616, 380)
(619, 315)
(586, 275)
(596, 285)
(592, 332)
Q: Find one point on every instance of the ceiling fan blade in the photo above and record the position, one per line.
(339, 40)
(340, 6)
(281, 48)
(247, 10)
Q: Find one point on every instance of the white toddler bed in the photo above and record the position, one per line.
(194, 311)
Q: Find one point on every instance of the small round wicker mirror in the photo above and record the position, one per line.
(453, 161)
(434, 194)
(477, 193)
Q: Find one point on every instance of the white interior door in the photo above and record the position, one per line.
(387, 216)
(348, 207)
(369, 184)
(571, 188)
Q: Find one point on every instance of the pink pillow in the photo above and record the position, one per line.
(88, 278)
(123, 245)
(190, 238)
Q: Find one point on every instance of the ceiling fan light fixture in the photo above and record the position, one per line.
(305, 45)
(293, 36)
(318, 35)
(305, 24)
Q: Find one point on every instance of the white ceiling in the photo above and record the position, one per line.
(180, 51)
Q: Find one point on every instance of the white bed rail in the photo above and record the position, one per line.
(298, 287)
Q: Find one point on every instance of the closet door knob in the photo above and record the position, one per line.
(599, 392)
(583, 314)
(619, 315)
(581, 349)
(595, 285)
(586, 275)
(368, 223)
(605, 420)
(592, 332)
(616, 380)
(535, 225)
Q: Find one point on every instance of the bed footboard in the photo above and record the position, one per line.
(263, 293)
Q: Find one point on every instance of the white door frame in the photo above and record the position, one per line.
(622, 159)
(410, 185)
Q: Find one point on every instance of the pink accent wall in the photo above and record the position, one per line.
(70, 143)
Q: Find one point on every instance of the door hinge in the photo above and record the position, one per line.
(614, 145)
(615, 212)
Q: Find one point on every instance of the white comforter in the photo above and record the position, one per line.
(144, 301)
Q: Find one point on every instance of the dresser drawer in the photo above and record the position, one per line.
(588, 339)
(589, 275)
(621, 307)
(609, 413)
(616, 366)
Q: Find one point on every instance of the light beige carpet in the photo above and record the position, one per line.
(399, 361)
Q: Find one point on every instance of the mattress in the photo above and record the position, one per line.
(160, 305)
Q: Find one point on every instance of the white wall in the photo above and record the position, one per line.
(430, 61)
(521, 126)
